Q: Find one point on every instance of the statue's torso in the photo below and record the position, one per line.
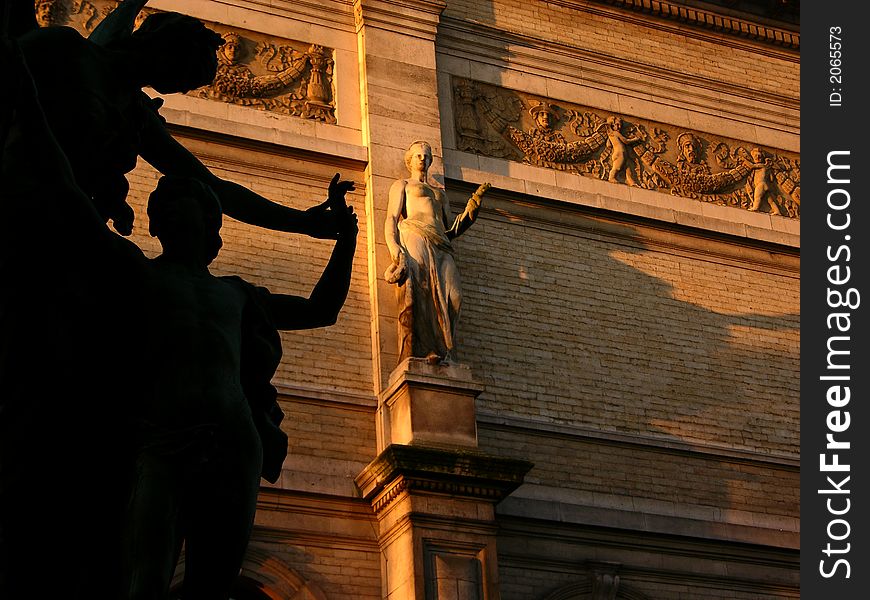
(196, 350)
(424, 203)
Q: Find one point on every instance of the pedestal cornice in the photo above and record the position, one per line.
(468, 474)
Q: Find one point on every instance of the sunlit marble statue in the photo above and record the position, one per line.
(418, 231)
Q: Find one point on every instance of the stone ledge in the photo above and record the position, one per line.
(417, 370)
(454, 472)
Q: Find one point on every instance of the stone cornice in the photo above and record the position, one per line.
(418, 18)
(327, 13)
(470, 474)
(738, 27)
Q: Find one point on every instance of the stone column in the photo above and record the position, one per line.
(399, 99)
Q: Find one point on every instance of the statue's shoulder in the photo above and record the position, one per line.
(398, 187)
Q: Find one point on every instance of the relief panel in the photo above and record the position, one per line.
(503, 123)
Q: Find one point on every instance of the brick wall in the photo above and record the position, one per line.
(570, 326)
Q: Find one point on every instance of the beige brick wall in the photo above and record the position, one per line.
(337, 572)
(711, 488)
(638, 42)
(567, 325)
(329, 444)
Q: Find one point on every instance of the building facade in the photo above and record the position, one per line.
(624, 418)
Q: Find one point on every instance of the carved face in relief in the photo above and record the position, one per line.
(688, 148)
(544, 120)
(232, 50)
(615, 123)
(46, 12)
(757, 154)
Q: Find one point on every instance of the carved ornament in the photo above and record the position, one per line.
(502, 123)
(273, 74)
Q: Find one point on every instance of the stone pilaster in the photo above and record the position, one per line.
(436, 516)
(399, 99)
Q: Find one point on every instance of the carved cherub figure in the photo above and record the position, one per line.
(619, 145)
(760, 181)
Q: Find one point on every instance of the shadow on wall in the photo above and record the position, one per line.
(576, 320)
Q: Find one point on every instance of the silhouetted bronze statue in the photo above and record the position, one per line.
(91, 92)
(71, 346)
(213, 351)
(205, 413)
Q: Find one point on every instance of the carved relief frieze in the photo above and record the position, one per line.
(279, 76)
(273, 74)
(502, 123)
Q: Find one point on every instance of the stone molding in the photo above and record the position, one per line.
(566, 63)
(418, 18)
(706, 19)
(501, 123)
(467, 474)
(496, 422)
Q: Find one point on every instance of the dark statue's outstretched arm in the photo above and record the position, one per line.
(322, 308)
(168, 156)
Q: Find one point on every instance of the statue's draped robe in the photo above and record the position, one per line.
(424, 310)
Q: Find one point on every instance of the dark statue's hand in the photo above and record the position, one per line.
(325, 220)
(348, 224)
(337, 191)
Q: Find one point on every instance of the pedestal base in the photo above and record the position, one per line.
(436, 520)
(429, 405)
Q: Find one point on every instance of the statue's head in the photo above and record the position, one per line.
(177, 52)
(419, 156)
(757, 154)
(185, 213)
(232, 51)
(614, 122)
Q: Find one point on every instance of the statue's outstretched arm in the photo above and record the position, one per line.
(169, 157)
(322, 307)
(469, 215)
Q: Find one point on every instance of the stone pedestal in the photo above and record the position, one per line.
(436, 516)
(428, 405)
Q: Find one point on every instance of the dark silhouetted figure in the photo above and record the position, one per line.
(72, 344)
(212, 351)
(91, 93)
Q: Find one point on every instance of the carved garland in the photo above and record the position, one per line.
(501, 123)
(281, 76)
